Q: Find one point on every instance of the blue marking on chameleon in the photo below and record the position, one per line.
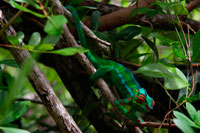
(123, 82)
(133, 78)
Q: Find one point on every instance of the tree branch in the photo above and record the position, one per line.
(58, 8)
(192, 5)
(43, 88)
(117, 16)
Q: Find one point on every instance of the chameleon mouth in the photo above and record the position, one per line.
(153, 104)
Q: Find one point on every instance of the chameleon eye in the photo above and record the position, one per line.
(141, 98)
(142, 91)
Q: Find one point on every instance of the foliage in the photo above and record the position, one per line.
(184, 123)
(11, 110)
(159, 55)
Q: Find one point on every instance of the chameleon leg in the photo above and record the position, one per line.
(101, 71)
(131, 114)
(119, 104)
(139, 117)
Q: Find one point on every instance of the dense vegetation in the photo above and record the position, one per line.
(45, 77)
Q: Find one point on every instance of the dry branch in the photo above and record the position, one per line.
(117, 16)
(58, 8)
(43, 88)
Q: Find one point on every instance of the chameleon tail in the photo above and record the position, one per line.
(78, 26)
(94, 59)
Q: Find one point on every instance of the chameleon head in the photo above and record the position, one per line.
(150, 102)
(143, 97)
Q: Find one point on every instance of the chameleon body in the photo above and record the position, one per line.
(135, 100)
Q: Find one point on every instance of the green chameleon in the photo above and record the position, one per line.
(135, 100)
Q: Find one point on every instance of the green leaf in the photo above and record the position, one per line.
(185, 119)
(9, 62)
(13, 130)
(44, 47)
(178, 81)
(163, 5)
(144, 10)
(175, 83)
(128, 49)
(195, 47)
(177, 51)
(51, 39)
(95, 23)
(35, 39)
(157, 70)
(174, 78)
(3, 98)
(193, 98)
(128, 33)
(30, 2)
(183, 126)
(16, 40)
(15, 5)
(198, 116)
(54, 25)
(102, 35)
(179, 8)
(163, 40)
(192, 112)
(69, 51)
(16, 111)
(28, 47)
(151, 45)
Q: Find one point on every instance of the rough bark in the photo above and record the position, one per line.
(114, 16)
(43, 88)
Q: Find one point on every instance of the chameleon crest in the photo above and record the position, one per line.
(134, 100)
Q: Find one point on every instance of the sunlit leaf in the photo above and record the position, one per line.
(15, 5)
(183, 126)
(51, 39)
(174, 78)
(31, 2)
(157, 70)
(54, 25)
(192, 112)
(16, 40)
(13, 130)
(28, 47)
(69, 51)
(44, 47)
(35, 39)
(185, 119)
(178, 81)
(179, 8)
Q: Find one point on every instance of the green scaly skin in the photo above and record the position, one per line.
(135, 100)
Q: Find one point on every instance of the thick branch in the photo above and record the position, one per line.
(192, 5)
(58, 8)
(43, 88)
(121, 17)
(117, 16)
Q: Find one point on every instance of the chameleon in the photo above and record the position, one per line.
(134, 100)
